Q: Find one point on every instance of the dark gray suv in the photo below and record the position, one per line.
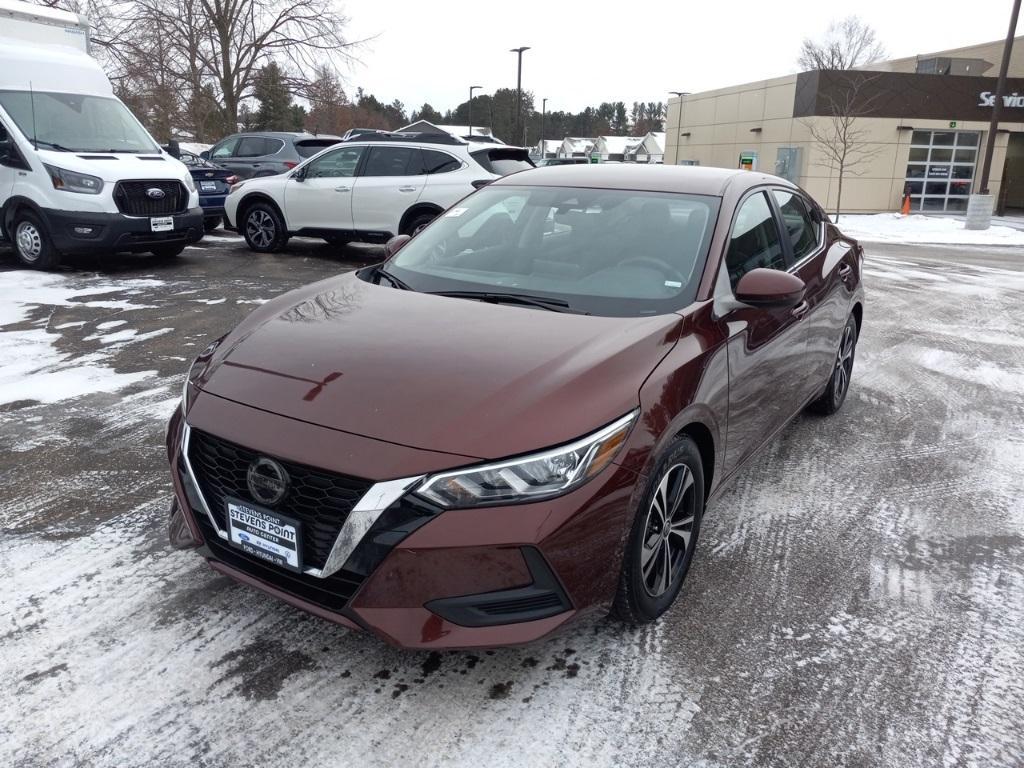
(266, 153)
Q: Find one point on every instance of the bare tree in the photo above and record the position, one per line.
(839, 134)
(847, 44)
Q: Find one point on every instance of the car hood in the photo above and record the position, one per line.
(115, 166)
(437, 373)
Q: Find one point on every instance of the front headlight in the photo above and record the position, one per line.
(540, 475)
(190, 183)
(70, 181)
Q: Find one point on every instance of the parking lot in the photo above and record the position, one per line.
(857, 596)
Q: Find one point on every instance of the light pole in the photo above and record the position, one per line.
(520, 128)
(471, 89)
(980, 206)
(543, 112)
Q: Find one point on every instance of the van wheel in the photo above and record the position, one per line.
(417, 223)
(263, 229)
(31, 242)
(664, 535)
(168, 251)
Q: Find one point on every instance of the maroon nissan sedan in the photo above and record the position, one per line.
(520, 416)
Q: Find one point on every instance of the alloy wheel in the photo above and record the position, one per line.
(668, 530)
(260, 228)
(29, 240)
(844, 363)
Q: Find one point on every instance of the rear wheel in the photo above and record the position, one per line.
(832, 399)
(664, 535)
(338, 239)
(417, 223)
(32, 243)
(263, 228)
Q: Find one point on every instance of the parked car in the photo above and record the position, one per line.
(78, 172)
(563, 161)
(509, 424)
(368, 188)
(213, 183)
(257, 154)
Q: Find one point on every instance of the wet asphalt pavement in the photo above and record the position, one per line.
(857, 597)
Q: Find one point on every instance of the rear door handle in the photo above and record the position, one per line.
(343, 189)
(800, 309)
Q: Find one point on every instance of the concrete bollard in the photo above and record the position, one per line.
(979, 212)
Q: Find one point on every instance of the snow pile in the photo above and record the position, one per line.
(919, 230)
(31, 367)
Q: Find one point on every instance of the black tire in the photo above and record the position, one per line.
(168, 251)
(32, 242)
(417, 222)
(655, 563)
(211, 223)
(263, 228)
(832, 399)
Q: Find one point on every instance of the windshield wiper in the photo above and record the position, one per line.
(51, 145)
(552, 304)
(392, 279)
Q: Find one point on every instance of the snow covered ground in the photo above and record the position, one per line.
(857, 597)
(918, 229)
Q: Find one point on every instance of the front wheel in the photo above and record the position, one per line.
(263, 229)
(418, 223)
(664, 535)
(32, 243)
(167, 251)
(832, 399)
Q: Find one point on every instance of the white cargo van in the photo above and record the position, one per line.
(78, 172)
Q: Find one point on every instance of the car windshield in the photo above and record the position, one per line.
(602, 251)
(75, 122)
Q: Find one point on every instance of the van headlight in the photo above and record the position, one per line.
(190, 183)
(540, 475)
(71, 181)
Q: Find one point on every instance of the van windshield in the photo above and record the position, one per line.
(76, 122)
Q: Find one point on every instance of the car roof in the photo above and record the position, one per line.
(693, 179)
(285, 135)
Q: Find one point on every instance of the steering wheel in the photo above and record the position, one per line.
(650, 261)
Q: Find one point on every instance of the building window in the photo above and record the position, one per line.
(940, 168)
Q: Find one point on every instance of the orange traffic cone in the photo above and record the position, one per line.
(905, 210)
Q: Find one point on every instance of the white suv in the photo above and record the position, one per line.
(369, 188)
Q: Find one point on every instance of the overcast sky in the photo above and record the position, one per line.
(584, 53)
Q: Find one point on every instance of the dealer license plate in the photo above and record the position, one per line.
(162, 223)
(265, 534)
(207, 186)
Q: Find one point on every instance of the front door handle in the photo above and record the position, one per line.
(343, 189)
(407, 189)
(800, 309)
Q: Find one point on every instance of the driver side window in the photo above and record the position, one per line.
(224, 149)
(341, 163)
(754, 241)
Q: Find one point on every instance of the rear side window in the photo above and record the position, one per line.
(797, 223)
(309, 147)
(754, 241)
(503, 161)
(257, 146)
(439, 162)
(393, 161)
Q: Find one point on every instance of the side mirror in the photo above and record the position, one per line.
(174, 149)
(300, 174)
(395, 244)
(770, 288)
(205, 154)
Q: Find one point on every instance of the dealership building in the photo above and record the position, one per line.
(921, 125)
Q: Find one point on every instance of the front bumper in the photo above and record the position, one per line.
(79, 232)
(420, 577)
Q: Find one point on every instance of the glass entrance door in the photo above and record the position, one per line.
(940, 169)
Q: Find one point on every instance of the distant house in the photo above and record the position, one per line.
(613, 147)
(546, 148)
(651, 149)
(480, 132)
(574, 146)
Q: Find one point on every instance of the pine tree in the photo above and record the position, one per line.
(275, 110)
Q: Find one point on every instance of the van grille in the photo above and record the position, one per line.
(134, 199)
